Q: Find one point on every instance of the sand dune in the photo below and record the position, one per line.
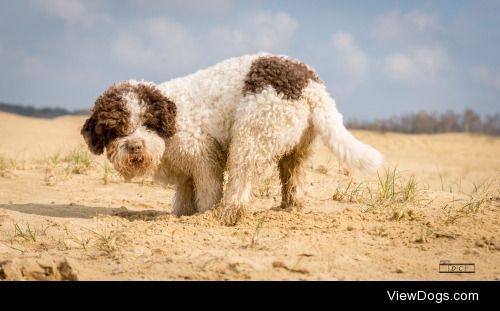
(68, 218)
(29, 138)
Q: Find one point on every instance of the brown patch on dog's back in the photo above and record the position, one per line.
(287, 77)
(160, 110)
(109, 119)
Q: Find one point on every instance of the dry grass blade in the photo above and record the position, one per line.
(258, 228)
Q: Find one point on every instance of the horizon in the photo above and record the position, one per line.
(378, 60)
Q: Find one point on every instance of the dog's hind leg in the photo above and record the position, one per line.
(266, 128)
(292, 171)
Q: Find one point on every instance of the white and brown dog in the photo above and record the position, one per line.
(238, 116)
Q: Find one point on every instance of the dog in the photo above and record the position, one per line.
(238, 116)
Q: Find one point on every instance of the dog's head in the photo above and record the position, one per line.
(131, 120)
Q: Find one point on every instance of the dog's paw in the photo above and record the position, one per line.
(293, 204)
(229, 214)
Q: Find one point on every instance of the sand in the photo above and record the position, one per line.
(62, 218)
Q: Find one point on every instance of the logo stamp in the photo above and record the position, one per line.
(446, 266)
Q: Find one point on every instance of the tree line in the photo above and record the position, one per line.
(413, 123)
(45, 112)
(424, 122)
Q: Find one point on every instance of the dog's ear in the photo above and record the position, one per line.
(109, 118)
(93, 140)
(160, 110)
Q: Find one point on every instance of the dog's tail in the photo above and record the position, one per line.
(328, 122)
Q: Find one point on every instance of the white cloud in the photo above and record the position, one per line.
(272, 30)
(421, 21)
(169, 35)
(486, 76)
(420, 63)
(162, 29)
(164, 41)
(156, 41)
(222, 42)
(412, 35)
(73, 12)
(431, 59)
(400, 66)
(69, 10)
(352, 59)
(260, 31)
(397, 25)
(183, 6)
(130, 49)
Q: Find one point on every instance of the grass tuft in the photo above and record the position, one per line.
(58, 167)
(106, 240)
(391, 192)
(78, 161)
(350, 193)
(387, 185)
(393, 188)
(27, 234)
(409, 190)
(3, 167)
(82, 242)
(480, 195)
(258, 228)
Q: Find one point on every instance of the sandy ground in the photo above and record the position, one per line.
(64, 215)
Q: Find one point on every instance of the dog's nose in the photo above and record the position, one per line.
(135, 146)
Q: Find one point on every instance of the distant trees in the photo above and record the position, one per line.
(421, 122)
(424, 122)
(39, 112)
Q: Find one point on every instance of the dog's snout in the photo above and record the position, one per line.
(135, 146)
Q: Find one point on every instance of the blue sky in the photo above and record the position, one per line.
(378, 58)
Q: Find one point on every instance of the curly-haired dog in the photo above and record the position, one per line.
(239, 115)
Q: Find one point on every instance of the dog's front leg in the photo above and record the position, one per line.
(208, 188)
(208, 176)
(184, 197)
